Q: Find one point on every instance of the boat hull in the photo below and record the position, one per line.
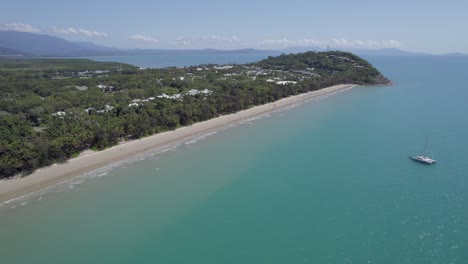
(424, 160)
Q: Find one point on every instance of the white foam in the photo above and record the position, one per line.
(259, 117)
(195, 140)
(164, 150)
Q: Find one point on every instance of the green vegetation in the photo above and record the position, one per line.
(50, 110)
(20, 68)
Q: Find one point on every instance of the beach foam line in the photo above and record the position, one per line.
(195, 140)
(46, 177)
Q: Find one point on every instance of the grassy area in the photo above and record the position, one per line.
(45, 64)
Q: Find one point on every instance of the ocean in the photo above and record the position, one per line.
(328, 181)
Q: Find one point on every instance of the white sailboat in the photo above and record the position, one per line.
(426, 159)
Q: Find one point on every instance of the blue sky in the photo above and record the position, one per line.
(425, 26)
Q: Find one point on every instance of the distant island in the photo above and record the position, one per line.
(53, 109)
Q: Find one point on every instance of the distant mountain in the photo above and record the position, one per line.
(7, 52)
(95, 47)
(45, 45)
(457, 54)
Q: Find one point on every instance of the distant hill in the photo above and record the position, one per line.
(456, 55)
(7, 52)
(94, 47)
(42, 45)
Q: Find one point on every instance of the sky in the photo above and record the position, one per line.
(421, 26)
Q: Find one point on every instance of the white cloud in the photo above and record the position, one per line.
(144, 38)
(215, 38)
(290, 43)
(65, 31)
(18, 27)
(82, 32)
(90, 33)
(392, 43)
(369, 44)
(211, 41)
(184, 41)
(334, 43)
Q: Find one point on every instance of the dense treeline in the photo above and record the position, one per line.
(45, 120)
(12, 69)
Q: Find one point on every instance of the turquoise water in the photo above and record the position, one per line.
(328, 181)
(161, 61)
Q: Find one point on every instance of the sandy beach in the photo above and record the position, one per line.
(89, 161)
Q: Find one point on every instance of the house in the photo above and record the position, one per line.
(285, 82)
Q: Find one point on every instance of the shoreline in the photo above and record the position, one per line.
(88, 161)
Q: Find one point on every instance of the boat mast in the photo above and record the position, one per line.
(428, 150)
(425, 148)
